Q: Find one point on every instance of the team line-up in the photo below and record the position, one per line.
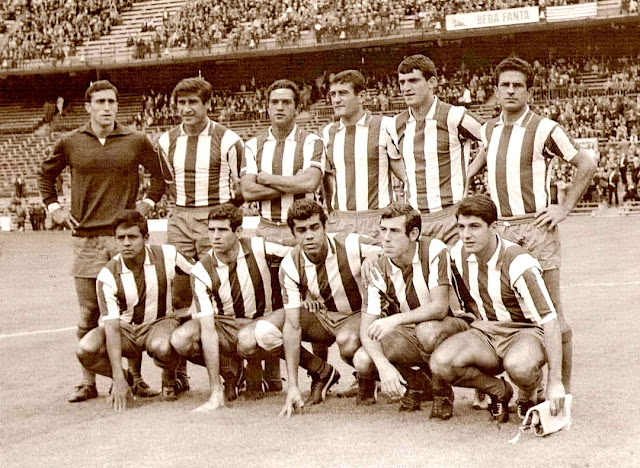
(422, 289)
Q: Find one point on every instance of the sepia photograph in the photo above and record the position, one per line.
(319, 233)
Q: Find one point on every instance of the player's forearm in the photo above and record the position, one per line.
(304, 182)
(553, 348)
(437, 309)
(431, 311)
(252, 191)
(477, 164)
(210, 349)
(586, 168)
(114, 347)
(372, 347)
(398, 170)
(328, 185)
(47, 176)
(292, 337)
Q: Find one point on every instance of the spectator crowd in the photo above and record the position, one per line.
(54, 29)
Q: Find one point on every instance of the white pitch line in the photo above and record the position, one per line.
(58, 330)
(37, 332)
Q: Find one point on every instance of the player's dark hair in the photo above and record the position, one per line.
(131, 218)
(303, 209)
(418, 62)
(284, 84)
(100, 85)
(198, 86)
(481, 206)
(412, 217)
(514, 64)
(352, 77)
(227, 211)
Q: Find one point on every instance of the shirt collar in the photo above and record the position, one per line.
(364, 121)
(118, 129)
(431, 115)
(147, 260)
(414, 261)
(496, 258)
(331, 250)
(204, 132)
(522, 121)
(241, 254)
(290, 137)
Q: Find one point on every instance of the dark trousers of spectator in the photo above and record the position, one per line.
(613, 193)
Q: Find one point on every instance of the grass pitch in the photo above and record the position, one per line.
(601, 294)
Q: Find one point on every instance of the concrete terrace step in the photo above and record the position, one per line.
(131, 22)
(630, 208)
(585, 208)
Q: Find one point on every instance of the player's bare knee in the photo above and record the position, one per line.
(362, 362)
(523, 372)
(566, 332)
(182, 341)
(348, 344)
(441, 364)
(160, 349)
(430, 338)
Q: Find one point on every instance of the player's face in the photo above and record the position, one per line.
(345, 102)
(103, 108)
(223, 238)
(282, 107)
(476, 235)
(393, 234)
(130, 242)
(415, 88)
(310, 235)
(192, 110)
(512, 93)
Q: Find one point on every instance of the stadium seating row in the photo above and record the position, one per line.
(53, 30)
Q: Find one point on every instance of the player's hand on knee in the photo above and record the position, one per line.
(555, 397)
(391, 381)
(381, 327)
(293, 403)
(121, 395)
(216, 401)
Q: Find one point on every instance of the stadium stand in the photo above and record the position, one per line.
(53, 29)
(99, 30)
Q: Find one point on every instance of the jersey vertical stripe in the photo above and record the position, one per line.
(242, 288)
(139, 298)
(508, 288)
(359, 156)
(518, 159)
(336, 280)
(203, 165)
(299, 151)
(409, 287)
(436, 153)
